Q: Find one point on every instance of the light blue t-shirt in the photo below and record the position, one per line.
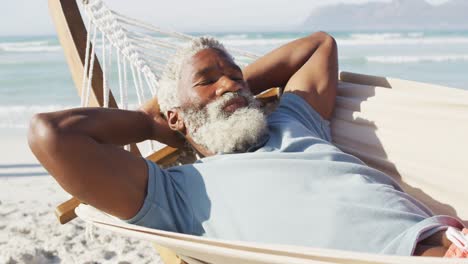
(294, 187)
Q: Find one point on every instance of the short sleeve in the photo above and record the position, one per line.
(166, 206)
(294, 107)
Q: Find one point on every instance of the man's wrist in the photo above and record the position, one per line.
(150, 124)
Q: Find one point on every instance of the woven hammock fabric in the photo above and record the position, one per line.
(414, 132)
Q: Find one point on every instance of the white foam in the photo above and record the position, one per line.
(18, 116)
(416, 34)
(234, 36)
(417, 59)
(256, 42)
(376, 36)
(377, 39)
(402, 41)
(28, 46)
(386, 36)
(24, 44)
(30, 49)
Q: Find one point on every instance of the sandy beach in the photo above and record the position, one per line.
(29, 231)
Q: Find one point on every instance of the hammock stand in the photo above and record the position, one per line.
(390, 124)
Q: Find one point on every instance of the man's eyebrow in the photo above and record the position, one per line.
(204, 71)
(209, 69)
(236, 67)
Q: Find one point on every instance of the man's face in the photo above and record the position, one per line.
(218, 109)
(207, 76)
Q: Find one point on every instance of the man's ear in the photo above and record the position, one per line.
(175, 121)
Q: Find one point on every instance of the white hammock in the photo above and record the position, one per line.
(200, 250)
(415, 132)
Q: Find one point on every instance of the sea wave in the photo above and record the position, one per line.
(415, 38)
(376, 36)
(386, 35)
(26, 43)
(235, 36)
(416, 34)
(402, 40)
(28, 46)
(256, 42)
(249, 41)
(18, 116)
(417, 59)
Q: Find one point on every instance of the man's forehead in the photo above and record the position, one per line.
(208, 58)
(211, 53)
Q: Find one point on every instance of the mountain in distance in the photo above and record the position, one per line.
(394, 15)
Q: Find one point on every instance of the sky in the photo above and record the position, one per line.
(31, 17)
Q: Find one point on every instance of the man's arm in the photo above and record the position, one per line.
(307, 67)
(79, 147)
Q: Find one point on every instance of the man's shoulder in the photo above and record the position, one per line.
(293, 113)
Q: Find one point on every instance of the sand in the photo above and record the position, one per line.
(29, 231)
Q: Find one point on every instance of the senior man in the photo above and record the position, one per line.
(272, 178)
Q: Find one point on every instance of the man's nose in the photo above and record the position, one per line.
(226, 84)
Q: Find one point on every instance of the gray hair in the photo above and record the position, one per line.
(168, 92)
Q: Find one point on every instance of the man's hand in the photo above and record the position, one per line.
(307, 67)
(161, 130)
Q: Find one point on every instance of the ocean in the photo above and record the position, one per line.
(34, 76)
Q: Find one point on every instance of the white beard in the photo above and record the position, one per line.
(223, 132)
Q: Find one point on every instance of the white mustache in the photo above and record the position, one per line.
(224, 132)
(218, 105)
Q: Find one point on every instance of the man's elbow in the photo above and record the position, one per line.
(41, 135)
(324, 37)
(327, 40)
(51, 146)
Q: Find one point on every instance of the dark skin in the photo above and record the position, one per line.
(81, 148)
(208, 75)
